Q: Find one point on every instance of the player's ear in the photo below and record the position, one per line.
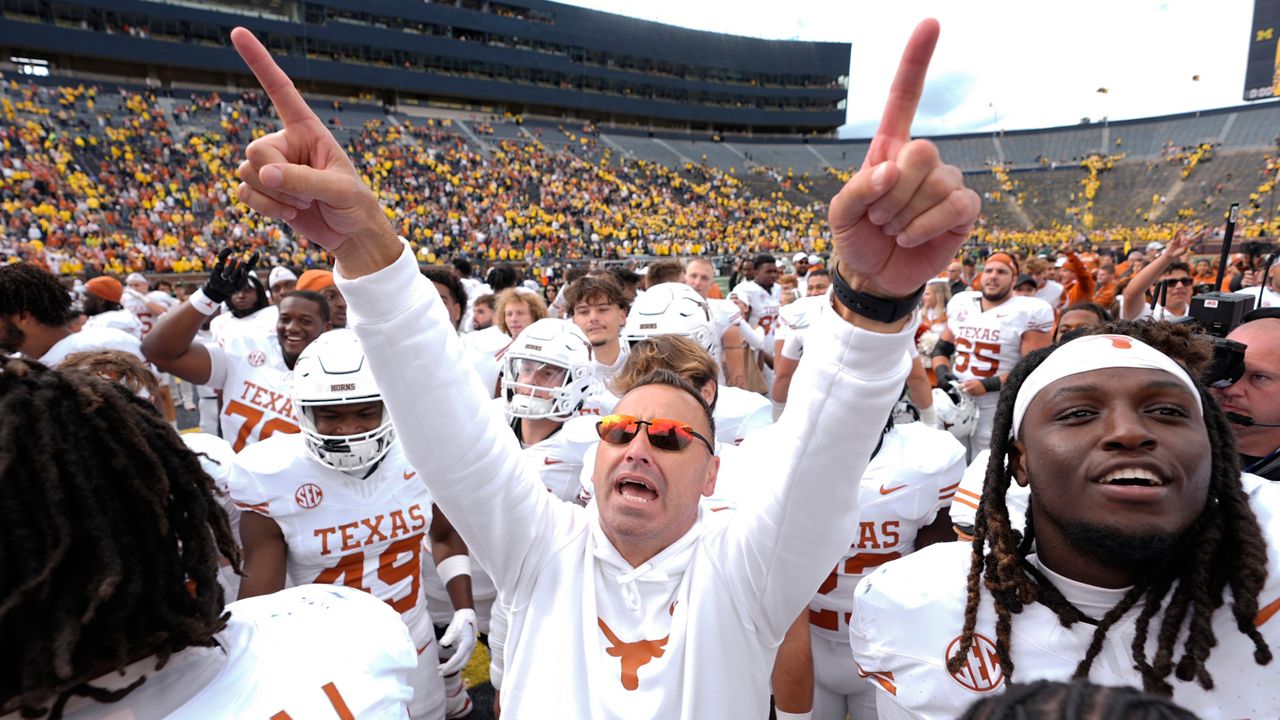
(1017, 463)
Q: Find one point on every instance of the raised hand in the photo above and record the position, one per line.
(229, 275)
(900, 220)
(301, 175)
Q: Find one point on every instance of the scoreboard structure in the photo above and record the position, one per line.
(1262, 74)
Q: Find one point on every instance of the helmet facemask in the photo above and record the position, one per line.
(537, 389)
(346, 452)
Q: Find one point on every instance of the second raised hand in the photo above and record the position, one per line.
(300, 174)
(904, 214)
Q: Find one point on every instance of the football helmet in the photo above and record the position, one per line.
(333, 370)
(957, 412)
(671, 309)
(547, 371)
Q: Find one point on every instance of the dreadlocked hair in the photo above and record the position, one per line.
(110, 537)
(1225, 546)
(1077, 700)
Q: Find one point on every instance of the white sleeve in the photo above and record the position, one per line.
(964, 506)
(448, 423)
(753, 337)
(1041, 318)
(499, 621)
(218, 362)
(793, 344)
(888, 709)
(777, 554)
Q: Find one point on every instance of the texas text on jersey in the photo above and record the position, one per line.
(257, 396)
(990, 343)
(364, 533)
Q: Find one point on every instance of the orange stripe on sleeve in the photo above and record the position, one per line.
(883, 679)
(964, 501)
(948, 488)
(973, 495)
(260, 509)
(339, 705)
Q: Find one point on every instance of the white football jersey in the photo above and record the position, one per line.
(217, 457)
(90, 339)
(964, 506)
(342, 530)
(225, 326)
(739, 412)
(559, 458)
(990, 343)
(914, 475)
(490, 341)
(305, 652)
(121, 320)
(910, 613)
(794, 319)
(257, 388)
(763, 305)
(724, 314)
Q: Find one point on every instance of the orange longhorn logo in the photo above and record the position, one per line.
(634, 655)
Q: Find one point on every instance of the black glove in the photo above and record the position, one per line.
(944, 377)
(229, 276)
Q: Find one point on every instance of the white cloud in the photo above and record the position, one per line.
(1038, 63)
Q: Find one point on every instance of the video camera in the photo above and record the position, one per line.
(1217, 313)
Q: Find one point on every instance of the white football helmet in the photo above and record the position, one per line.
(556, 355)
(957, 412)
(332, 370)
(671, 309)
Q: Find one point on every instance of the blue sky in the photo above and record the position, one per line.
(1006, 64)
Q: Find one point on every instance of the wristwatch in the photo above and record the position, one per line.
(885, 310)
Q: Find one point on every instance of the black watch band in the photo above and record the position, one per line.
(885, 310)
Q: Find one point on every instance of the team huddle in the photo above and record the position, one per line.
(645, 501)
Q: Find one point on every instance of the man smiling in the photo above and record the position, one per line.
(631, 611)
(1140, 524)
(253, 370)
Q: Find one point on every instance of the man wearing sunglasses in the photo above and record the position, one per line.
(645, 607)
(1172, 292)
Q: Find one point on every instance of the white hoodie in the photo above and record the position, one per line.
(692, 633)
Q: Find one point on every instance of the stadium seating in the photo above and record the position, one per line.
(118, 179)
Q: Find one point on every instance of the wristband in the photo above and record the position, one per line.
(992, 384)
(453, 566)
(884, 310)
(202, 303)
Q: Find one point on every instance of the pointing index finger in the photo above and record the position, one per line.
(284, 96)
(904, 95)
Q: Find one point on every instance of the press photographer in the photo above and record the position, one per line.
(1253, 402)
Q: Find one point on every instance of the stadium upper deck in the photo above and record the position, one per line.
(517, 56)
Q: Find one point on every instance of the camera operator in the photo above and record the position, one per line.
(1253, 402)
(1265, 294)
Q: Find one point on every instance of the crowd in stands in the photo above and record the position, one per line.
(90, 190)
(112, 183)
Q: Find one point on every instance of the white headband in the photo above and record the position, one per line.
(1095, 352)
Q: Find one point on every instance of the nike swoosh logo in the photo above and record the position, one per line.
(549, 461)
(885, 491)
(409, 475)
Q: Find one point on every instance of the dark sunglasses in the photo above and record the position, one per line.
(1184, 282)
(663, 434)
